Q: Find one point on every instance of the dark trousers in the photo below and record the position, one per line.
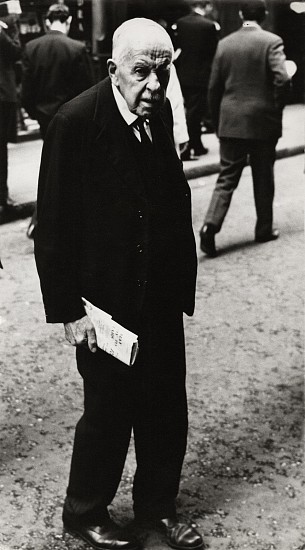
(195, 100)
(148, 398)
(7, 111)
(233, 158)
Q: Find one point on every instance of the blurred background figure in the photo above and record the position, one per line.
(10, 52)
(197, 39)
(175, 96)
(247, 92)
(56, 68)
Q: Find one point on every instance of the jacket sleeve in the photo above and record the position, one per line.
(27, 86)
(10, 44)
(280, 78)
(56, 250)
(215, 90)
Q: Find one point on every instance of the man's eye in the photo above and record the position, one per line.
(141, 71)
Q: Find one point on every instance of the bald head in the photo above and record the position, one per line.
(137, 33)
(140, 65)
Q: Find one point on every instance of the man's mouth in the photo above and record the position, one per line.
(151, 101)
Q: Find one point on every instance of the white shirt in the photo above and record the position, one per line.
(129, 117)
(251, 24)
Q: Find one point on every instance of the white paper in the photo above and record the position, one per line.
(111, 336)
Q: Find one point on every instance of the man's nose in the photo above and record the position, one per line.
(153, 83)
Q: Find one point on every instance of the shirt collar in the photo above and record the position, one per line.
(127, 115)
(253, 24)
(199, 11)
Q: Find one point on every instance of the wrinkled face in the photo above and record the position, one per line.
(142, 77)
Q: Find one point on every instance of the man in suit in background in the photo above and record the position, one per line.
(10, 52)
(56, 68)
(197, 38)
(247, 93)
(114, 226)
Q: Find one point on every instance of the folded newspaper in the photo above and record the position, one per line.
(111, 336)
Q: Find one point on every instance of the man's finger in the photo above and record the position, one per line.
(69, 335)
(92, 345)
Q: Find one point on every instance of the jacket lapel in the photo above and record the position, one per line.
(112, 137)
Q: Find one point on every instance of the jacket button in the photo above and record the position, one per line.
(140, 214)
(139, 247)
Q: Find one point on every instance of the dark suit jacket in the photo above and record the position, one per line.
(197, 38)
(10, 52)
(248, 85)
(56, 68)
(93, 214)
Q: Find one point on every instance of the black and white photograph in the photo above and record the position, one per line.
(152, 274)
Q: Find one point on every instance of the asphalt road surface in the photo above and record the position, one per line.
(242, 479)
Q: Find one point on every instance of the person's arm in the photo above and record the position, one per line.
(27, 86)
(59, 213)
(215, 90)
(9, 42)
(213, 40)
(280, 77)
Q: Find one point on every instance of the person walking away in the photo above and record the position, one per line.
(247, 93)
(114, 227)
(56, 68)
(10, 52)
(197, 39)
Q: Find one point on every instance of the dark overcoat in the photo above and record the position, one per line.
(94, 214)
(56, 68)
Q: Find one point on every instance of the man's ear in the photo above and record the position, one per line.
(112, 67)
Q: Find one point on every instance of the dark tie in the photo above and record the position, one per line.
(145, 141)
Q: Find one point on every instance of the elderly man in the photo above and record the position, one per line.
(114, 226)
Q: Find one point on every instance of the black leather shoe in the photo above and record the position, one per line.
(106, 536)
(207, 241)
(269, 237)
(182, 536)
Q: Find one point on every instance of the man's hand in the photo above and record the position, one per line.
(81, 333)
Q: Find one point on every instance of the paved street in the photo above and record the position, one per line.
(242, 478)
